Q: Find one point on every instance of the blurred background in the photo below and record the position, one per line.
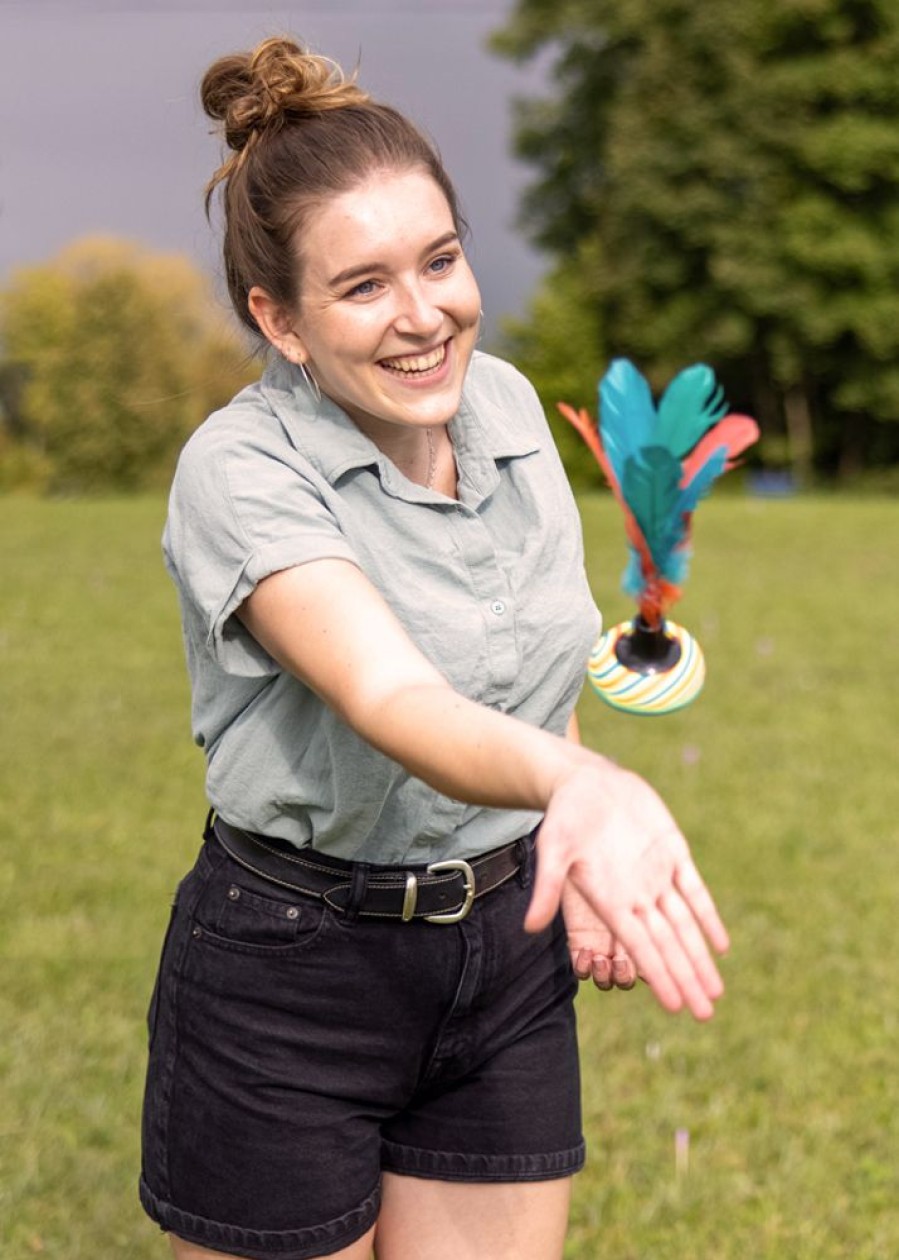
(659, 180)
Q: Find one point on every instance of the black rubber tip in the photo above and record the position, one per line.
(646, 651)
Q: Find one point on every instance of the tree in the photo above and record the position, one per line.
(561, 343)
(111, 356)
(732, 171)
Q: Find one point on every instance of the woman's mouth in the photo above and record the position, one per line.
(417, 366)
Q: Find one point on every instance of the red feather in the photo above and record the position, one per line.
(735, 432)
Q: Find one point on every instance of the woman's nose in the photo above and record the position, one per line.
(416, 312)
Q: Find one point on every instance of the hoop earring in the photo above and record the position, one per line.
(311, 382)
(480, 326)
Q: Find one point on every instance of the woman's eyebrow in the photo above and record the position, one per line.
(361, 269)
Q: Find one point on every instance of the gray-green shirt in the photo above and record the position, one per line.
(490, 587)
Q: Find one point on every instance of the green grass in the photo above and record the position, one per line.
(782, 774)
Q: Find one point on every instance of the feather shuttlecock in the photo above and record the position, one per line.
(659, 462)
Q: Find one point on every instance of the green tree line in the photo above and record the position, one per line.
(110, 355)
(720, 182)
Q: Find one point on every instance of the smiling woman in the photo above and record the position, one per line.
(362, 1033)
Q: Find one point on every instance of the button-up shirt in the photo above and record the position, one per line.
(490, 586)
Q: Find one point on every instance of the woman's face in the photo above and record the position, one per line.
(389, 309)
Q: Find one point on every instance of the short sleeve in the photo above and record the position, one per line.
(241, 508)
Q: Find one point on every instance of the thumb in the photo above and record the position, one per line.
(547, 893)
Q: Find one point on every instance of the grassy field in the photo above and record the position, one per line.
(783, 775)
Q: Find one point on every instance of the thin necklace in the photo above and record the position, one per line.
(432, 460)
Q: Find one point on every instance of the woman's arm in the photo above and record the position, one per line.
(604, 828)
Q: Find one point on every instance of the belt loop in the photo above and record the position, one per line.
(526, 856)
(358, 885)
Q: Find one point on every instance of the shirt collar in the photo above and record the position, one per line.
(482, 431)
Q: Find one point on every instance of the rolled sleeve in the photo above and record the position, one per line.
(237, 514)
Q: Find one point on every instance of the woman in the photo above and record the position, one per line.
(362, 1034)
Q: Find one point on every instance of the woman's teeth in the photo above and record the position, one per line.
(417, 362)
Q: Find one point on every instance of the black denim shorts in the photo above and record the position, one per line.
(296, 1054)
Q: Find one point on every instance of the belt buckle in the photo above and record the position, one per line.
(453, 916)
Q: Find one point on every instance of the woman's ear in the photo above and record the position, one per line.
(274, 324)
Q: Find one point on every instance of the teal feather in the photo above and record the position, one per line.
(691, 404)
(627, 414)
(678, 567)
(661, 462)
(632, 579)
(651, 488)
(702, 483)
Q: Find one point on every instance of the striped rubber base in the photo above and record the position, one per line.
(650, 693)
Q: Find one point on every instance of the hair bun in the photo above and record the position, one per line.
(258, 91)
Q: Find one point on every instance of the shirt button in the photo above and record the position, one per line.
(498, 607)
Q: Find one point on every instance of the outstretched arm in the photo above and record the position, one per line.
(605, 830)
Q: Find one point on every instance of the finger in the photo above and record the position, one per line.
(624, 973)
(602, 972)
(635, 937)
(681, 918)
(582, 963)
(677, 961)
(547, 892)
(613, 968)
(692, 888)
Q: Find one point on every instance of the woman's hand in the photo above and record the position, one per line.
(608, 834)
(595, 954)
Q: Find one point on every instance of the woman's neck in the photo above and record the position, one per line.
(423, 455)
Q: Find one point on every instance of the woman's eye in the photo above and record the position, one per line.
(365, 289)
(441, 264)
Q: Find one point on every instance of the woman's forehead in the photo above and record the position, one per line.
(389, 214)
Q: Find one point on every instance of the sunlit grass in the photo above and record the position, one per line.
(98, 777)
(782, 775)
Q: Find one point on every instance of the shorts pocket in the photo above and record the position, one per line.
(247, 920)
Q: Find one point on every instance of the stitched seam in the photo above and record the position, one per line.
(497, 884)
(272, 879)
(286, 857)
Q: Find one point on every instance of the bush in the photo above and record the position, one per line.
(112, 355)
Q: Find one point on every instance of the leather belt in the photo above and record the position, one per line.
(443, 892)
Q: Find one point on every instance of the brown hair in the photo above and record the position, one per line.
(301, 131)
